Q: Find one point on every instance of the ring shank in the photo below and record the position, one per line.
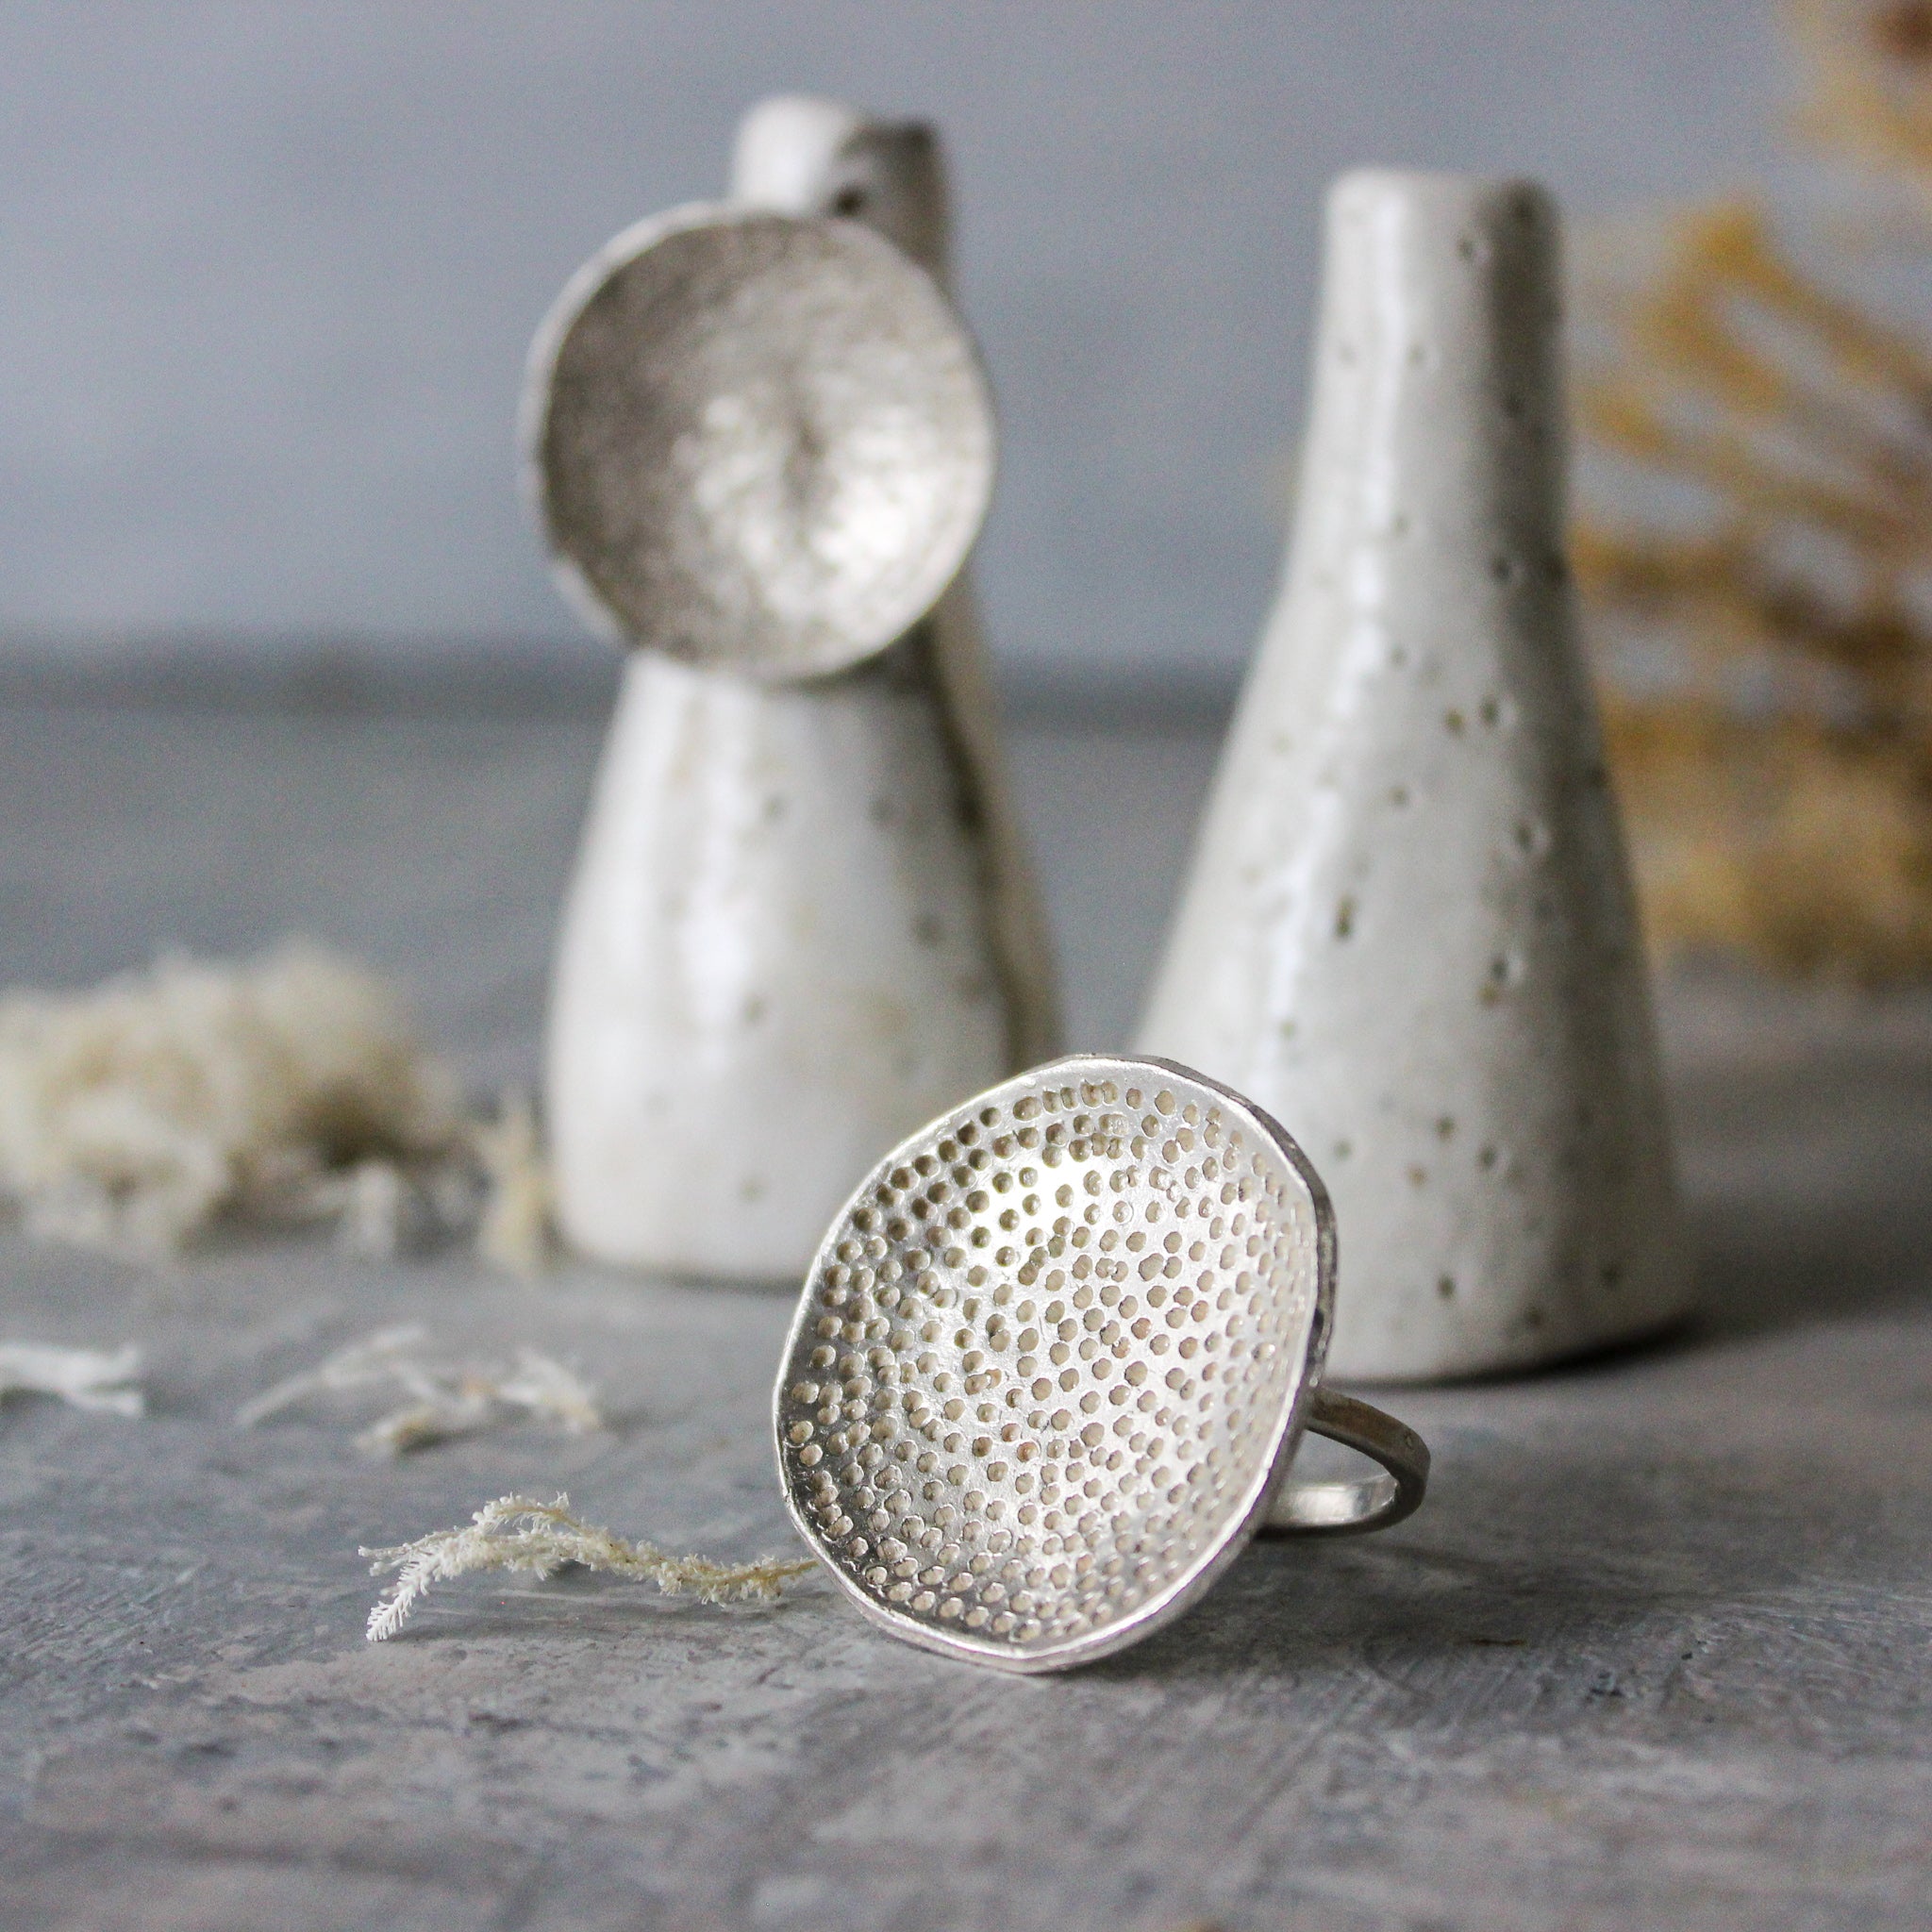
(1351, 1509)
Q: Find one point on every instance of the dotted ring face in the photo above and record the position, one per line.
(1052, 1360)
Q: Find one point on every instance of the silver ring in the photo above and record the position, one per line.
(1053, 1362)
(1353, 1508)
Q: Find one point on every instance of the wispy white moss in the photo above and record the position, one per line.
(516, 1230)
(87, 1377)
(442, 1398)
(518, 1533)
(136, 1114)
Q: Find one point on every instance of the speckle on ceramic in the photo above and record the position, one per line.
(1408, 930)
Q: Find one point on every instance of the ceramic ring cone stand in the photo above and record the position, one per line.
(798, 924)
(1408, 930)
(804, 155)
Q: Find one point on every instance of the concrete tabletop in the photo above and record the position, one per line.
(1655, 1653)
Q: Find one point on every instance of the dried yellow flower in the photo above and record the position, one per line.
(1775, 760)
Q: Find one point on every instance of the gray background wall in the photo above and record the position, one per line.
(267, 272)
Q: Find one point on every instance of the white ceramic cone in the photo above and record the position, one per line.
(801, 923)
(1408, 931)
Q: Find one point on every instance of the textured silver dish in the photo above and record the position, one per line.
(1052, 1360)
(757, 441)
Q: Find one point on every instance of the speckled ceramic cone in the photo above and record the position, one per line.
(801, 923)
(1408, 930)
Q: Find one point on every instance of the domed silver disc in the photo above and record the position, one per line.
(757, 441)
(1052, 1360)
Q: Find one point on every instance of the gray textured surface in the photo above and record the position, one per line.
(1655, 1654)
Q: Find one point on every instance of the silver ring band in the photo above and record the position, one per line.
(1348, 1509)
